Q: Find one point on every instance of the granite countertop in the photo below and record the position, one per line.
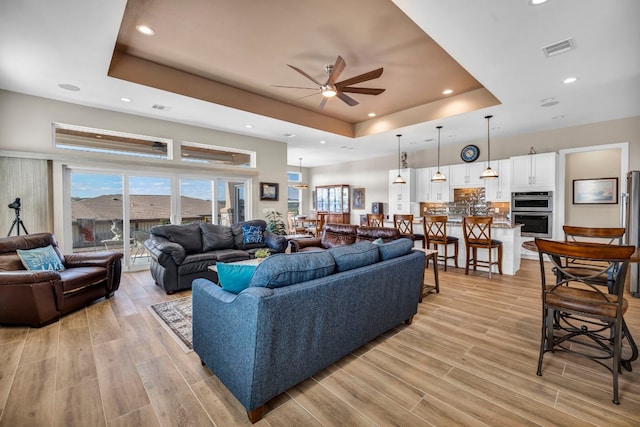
(494, 225)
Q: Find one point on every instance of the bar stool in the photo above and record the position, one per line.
(435, 232)
(375, 220)
(477, 235)
(404, 224)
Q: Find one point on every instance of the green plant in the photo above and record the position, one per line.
(262, 253)
(275, 224)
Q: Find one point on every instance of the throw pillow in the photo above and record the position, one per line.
(40, 259)
(251, 234)
(235, 277)
(378, 241)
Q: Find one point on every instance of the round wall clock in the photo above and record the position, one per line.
(470, 153)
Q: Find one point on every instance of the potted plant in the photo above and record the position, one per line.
(262, 253)
(275, 224)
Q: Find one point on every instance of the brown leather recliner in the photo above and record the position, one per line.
(37, 298)
(343, 234)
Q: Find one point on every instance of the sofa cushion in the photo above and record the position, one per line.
(216, 237)
(235, 277)
(353, 256)
(252, 234)
(280, 270)
(186, 235)
(395, 248)
(40, 259)
(338, 235)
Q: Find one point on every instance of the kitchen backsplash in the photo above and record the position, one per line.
(468, 201)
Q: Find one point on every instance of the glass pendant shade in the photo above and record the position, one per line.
(300, 185)
(438, 177)
(488, 173)
(399, 179)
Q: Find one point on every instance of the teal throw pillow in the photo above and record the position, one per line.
(251, 234)
(378, 241)
(234, 277)
(40, 259)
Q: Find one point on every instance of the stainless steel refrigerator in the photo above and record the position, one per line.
(632, 225)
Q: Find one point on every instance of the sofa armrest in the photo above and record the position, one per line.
(92, 259)
(297, 244)
(157, 245)
(27, 277)
(275, 241)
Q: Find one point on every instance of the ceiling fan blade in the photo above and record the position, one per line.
(347, 99)
(296, 87)
(361, 78)
(337, 69)
(323, 103)
(362, 90)
(305, 74)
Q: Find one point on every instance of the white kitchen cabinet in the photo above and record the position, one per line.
(427, 191)
(466, 175)
(499, 189)
(534, 172)
(402, 193)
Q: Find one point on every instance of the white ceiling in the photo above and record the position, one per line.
(499, 42)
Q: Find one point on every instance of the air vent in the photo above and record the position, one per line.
(559, 47)
(160, 107)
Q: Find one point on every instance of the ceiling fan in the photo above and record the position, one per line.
(331, 88)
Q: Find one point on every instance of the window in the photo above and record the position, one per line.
(293, 194)
(79, 138)
(209, 154)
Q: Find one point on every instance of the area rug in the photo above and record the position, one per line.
(175, 317)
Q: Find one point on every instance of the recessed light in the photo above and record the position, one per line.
(123, 99)
(371, 114)
(66, 86)
(447, 91)
(248, 126)
(145, 29)
(536, 2)
(323, 142)
(561, 116)
(569, 80)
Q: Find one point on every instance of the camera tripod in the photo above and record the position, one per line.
(17, 223)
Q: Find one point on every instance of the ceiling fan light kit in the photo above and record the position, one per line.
(332, 88)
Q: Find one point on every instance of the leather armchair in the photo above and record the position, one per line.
(37, 298)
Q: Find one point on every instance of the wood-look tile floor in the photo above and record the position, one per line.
(469, 358)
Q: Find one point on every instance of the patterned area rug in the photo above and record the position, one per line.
(175, 317)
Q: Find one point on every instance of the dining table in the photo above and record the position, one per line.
(635, 258)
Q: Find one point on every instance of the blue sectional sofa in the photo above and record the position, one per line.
(301, 313)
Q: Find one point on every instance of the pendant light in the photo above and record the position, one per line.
(438, 177)
(399, 179)
(488, 173)
(300, 185)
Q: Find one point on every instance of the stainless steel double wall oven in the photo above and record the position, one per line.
(533, 209)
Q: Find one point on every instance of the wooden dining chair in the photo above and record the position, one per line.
(579, 315)
(435, 233)
(321, 220)
(477, 235)
(375, 220)
(404, 224)
(603, 235)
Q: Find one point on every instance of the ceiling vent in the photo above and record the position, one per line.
(559, 47)
(160, 107)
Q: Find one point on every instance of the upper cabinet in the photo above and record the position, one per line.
(402, 193)
(428, 191)
(534, 172)
(466, 175)
(499, 189)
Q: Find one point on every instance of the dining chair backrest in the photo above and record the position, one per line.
(608, 235)
(477, 229)
(375, 220)
(322, 220)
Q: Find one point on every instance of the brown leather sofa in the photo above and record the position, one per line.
(37, 298)
(343, 234)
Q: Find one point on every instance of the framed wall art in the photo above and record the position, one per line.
(269, 191)
(600, 191)
(357, 198)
